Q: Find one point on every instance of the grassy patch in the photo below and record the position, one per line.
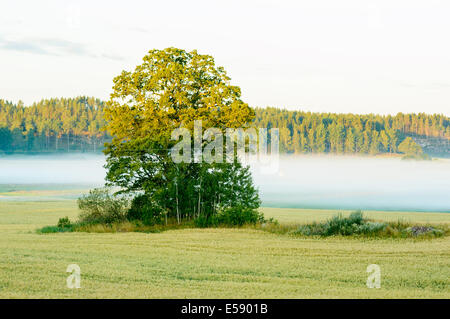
(356, 225)
(128, 226)
(353, 225)
(53, 229)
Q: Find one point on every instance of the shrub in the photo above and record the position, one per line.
(64, 222)
(424, 230)
(231, 216)
(54, 229)
(371, 228)
(312, 229)
(355, 224)
(339, 225)
(238, 216)
(99, 206)
(356, 218)
(206, 221)
(145, 210)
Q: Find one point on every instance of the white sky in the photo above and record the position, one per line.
(362, 56)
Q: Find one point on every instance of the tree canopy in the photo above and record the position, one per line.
(172, 88)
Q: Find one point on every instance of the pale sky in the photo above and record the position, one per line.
(360, 56)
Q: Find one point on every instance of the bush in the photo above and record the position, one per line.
(206, 221)
(339, 225)
(424, 230)
(355, 224)
(371, 228)
(143, 209)
(238, 216)
(99, 206)
(64, 222)
(54, 229)
(232, 216)
(311, 229)
(356, 217)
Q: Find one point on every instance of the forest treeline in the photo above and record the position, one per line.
(306, 132)
(52, 125)
(75, 125)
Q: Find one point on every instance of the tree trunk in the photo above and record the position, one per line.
(178, 211)
(199, 198)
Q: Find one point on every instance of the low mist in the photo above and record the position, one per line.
(300, 181)
(49, 169)
(344, 182)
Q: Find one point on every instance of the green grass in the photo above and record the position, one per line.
(214, 263)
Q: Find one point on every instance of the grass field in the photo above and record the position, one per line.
(214, 263)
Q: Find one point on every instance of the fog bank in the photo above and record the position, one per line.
(59, 169)
(344, 182)
(300, 181)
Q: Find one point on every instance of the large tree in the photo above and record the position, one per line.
(171, 89)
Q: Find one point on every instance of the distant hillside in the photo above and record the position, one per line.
(306, 132)
(75, 125)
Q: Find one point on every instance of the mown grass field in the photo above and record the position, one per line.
(214, 263)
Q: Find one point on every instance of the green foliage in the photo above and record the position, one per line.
(425, 230)
(172, 88)
(238, 216)
(206, 221)
(64, 225)
(145, 210)
(64, 222)
(339, 225)
(54, 229)
(357, 225)
(409, 147)
(412, 150)
(231, 216)
(99, 206)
